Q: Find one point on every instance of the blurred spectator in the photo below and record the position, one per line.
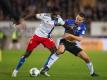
(95, 10)
(29, 11)
(2, 40)
(1, 14)
(15, 40)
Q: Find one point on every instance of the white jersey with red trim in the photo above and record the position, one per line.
(47, 24)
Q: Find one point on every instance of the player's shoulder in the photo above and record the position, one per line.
(70, 21)
(46, 16)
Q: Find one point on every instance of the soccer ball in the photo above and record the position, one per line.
(34, 72)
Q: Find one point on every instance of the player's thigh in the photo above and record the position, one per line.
(61, 49)
(50, 44)
(33, 43)
(84, 56)
(73, 49)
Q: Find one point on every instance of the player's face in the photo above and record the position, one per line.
(79, 19)
(54, 15)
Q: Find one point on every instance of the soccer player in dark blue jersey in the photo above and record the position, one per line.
(69, 43)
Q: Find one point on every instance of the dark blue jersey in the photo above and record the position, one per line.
(77, 30)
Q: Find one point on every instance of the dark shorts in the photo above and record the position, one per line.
(71, 46)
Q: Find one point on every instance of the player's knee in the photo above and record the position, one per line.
(60, 51)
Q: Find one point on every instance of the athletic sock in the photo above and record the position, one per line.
(90, 67)
(22, 60)
(47, 60)
(52, 58)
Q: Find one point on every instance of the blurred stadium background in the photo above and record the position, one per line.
(95, 42)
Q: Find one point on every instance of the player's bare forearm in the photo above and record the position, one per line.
(29, 16)
(72, 37)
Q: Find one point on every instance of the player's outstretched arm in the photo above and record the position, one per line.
(72, 37)
(38, 15)
(29, 16)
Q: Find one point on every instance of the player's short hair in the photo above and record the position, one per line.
(82, 14)
(55, 9)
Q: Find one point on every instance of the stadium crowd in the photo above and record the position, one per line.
(95, 10)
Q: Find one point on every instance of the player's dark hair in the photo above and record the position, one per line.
(54, 9)
(82, 14)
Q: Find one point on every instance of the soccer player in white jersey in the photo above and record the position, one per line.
(42, 35)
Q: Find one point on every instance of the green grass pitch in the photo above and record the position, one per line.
(68, 67)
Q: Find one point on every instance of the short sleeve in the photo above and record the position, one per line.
(69, 21)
